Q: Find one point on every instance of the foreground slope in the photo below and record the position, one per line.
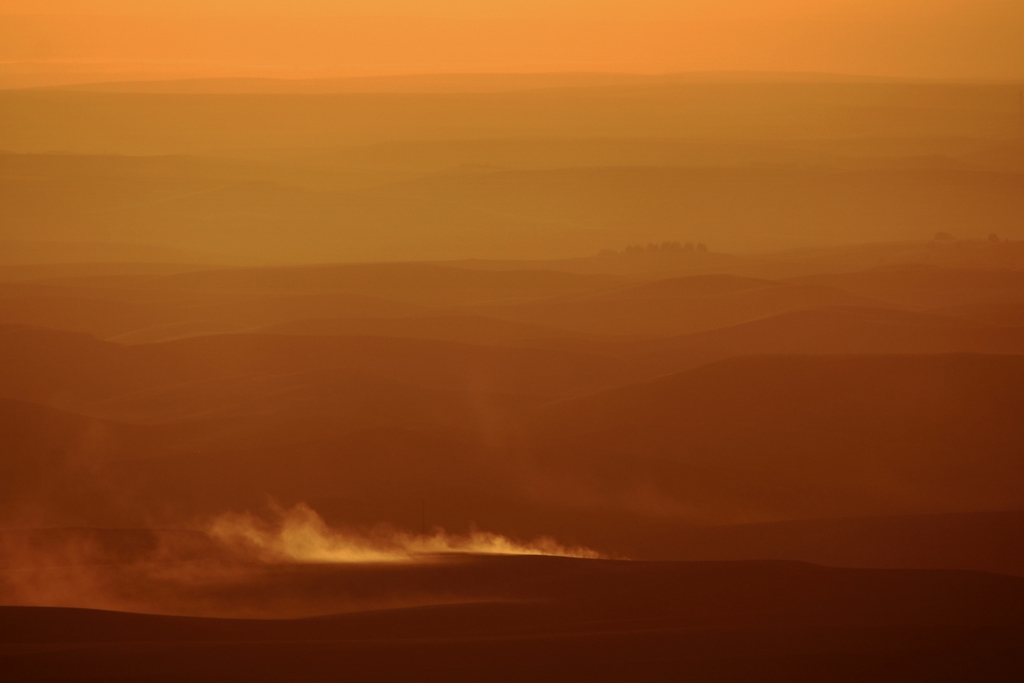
(560, 620)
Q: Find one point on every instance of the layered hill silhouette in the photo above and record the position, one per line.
(57, 466)
(865, 420)
(677, 306)
(142, 307)
(67, 369)
(470, 329)
(981, 541)
(826, 330)
(929, 286)
(155, 306)
(697, 302)
(148, 124)
(757, 438)
(762, 438)
(125, 311)
(504, 385)
(553, 377)
(652, 262)
(496, 213)
(605, 620)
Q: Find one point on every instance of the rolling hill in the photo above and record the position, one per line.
(607, 621)
(771, 438)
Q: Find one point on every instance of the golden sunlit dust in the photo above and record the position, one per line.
(302, 536)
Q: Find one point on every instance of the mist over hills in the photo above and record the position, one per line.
(491, 212)
(751, 424)
(744, 166)
(504, 414)
(143, 122)
(345, 349)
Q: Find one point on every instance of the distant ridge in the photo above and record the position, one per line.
(449, 83)
(25, 252)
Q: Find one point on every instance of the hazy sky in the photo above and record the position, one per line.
(926, 38)
(460, 8)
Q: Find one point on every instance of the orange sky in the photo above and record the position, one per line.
(45, 39)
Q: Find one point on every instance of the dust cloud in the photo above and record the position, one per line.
(301, 535)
